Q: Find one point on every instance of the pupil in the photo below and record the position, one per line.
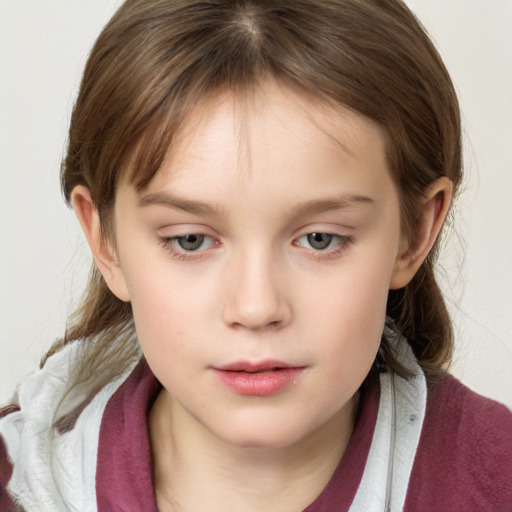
(319, 240)
(190, 242)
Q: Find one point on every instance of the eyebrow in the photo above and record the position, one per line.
(317, 206)
(312, 207)
(179, 203)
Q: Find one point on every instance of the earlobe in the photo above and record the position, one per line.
(435, 209)
(103, 252)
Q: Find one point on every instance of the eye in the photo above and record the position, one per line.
(322, 241)
(191, 242)
(188, 245)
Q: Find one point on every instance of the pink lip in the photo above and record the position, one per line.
(262, 378)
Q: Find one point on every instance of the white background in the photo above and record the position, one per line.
(43, 260)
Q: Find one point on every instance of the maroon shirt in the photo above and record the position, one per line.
(463, 462)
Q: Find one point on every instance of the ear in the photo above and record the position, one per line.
(412, 254)
(103, 251)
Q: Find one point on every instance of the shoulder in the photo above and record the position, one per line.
(40, 463)
(27, 434)
(464, 459)
(481, 427)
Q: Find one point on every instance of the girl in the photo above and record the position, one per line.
(262, 185)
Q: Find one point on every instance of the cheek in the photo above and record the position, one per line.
(356, 292)
(350, 309)
(176, 315)
(367, 301)
(165, 307)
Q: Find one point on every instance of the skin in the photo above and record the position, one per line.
(256, 176)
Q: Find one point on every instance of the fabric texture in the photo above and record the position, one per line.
(53, 471)
(446, 449)
(464, 460)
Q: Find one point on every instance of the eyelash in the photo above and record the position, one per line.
(343, 243)
(181, 254)
(170, 245)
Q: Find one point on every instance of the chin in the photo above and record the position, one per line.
(259, 436)
(259, 442)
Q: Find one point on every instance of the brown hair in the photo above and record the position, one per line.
(156, 58)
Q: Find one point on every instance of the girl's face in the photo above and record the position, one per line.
(258, 263)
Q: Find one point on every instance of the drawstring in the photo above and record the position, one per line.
(389, 484)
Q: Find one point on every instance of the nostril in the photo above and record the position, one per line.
(273, 325)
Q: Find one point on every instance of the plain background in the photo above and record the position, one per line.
(43, 259)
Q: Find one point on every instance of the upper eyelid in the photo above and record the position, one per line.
(342, 238)
(337, 231)
(198, 233)
(331, 228)
(178, 231)
(303, 233)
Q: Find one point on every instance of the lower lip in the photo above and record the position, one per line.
(259, 383)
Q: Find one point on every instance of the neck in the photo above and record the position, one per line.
(188, 457)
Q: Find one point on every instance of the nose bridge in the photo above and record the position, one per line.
(256, 297)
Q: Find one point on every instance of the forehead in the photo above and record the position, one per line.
(269, 136)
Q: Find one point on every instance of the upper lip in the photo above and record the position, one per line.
(256, 366)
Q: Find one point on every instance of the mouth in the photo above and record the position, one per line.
(262, 378)
(256, 367)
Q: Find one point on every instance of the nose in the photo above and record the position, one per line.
(257, 297)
